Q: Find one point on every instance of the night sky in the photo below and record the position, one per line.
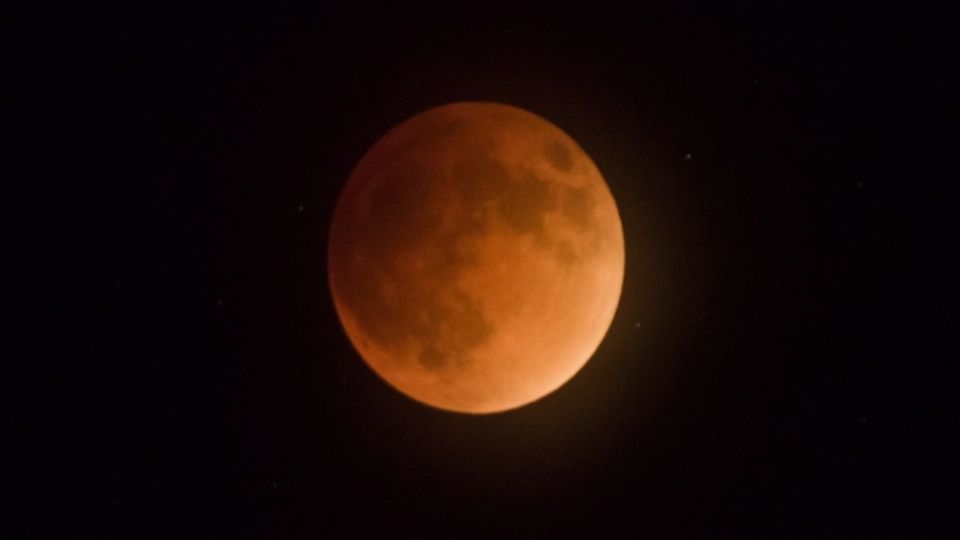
(781, 362)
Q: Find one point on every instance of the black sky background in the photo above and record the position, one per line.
(781, 362)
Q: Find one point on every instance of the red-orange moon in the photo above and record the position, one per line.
(476, 257)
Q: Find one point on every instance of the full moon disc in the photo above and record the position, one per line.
(476, 257)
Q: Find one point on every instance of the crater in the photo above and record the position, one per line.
(559, 156)
(565, 253)
(524, 203)
(431, 358)
(480, 179)
(449, 331)
(577, 205)
(401, 209)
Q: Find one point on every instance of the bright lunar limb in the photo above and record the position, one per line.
(476, 257)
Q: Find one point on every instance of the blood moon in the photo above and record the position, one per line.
(476, 257)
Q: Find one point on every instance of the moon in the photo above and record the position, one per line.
(476, 257)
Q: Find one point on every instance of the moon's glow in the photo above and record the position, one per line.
(476, 257)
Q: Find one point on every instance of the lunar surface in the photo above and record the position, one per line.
(476, 257)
